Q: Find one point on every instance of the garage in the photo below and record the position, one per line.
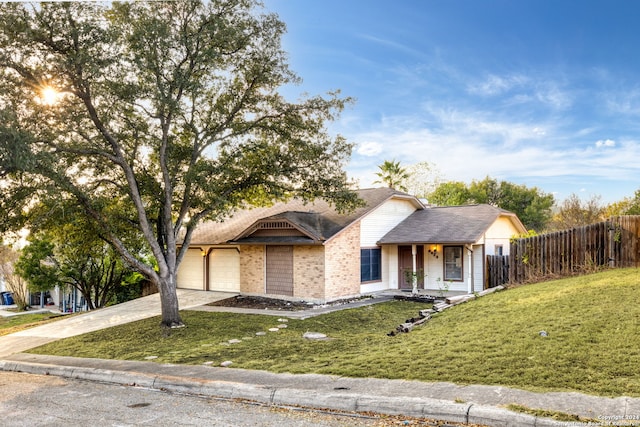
(190, 271)
(224, 270)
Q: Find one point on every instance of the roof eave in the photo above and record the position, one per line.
(428, 242)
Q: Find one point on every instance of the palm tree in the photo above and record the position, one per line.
(392, 175)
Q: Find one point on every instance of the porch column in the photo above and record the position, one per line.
(204, 252)
(470, 270)
(414, 278)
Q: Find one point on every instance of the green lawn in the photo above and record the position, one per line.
(593, 343)
(11, 324)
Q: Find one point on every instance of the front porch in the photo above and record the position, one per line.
(442, 269)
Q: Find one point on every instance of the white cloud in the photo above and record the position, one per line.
(392, 44)
(522, 89)
(496, 85)
(627, 103)
(605, 143)
(553, 96)
(467, 145)
(369, 149)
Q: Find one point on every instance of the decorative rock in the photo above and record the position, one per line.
(151, 357)
(208, 363)
(283, 326)
(226, 363)
(314, 336)
(544, 334)
(274, 329)
(234, 341)
(261, 334)
(283, 320)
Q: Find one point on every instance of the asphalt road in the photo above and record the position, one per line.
(35, 400)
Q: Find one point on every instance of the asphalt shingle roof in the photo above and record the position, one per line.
(450, 224)
(318, 219)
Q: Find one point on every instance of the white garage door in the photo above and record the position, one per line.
(224, 270)
(190, 272)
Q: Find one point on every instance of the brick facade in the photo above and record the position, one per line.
(320, 273)
(308, 272)
(252, 259)
(342, 265)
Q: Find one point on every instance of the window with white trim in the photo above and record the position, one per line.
(453, 263)
(370, 264)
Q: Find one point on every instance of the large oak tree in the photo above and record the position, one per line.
(170, 111)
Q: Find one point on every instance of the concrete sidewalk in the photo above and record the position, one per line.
(477, 404)
(138, 309)
(443, 401)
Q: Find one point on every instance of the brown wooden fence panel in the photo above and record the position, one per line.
(497, 270)
(611, 243)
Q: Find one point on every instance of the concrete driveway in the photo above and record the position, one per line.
(141, 308)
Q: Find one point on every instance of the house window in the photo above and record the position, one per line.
(453, 263)
(498, 250)
(370, 264)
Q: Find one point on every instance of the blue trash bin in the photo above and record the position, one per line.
(7, 298)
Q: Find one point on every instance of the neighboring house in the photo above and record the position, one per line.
(311, 252)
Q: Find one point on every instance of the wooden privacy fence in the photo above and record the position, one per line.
(611, 243)
(497, 270)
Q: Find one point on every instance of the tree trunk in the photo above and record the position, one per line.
(169, 303)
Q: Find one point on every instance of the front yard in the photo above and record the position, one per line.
(11, 324)
(591, 324)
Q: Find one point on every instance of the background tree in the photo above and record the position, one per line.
(83, 259)
(14, 282)
(634, 205)
(392, 175)
(619, 207)
(37, 267)
(80, 262)
(487, 191)
(423, 179)
(533, 207)
(626, 206)
(575, 212)
(450, 193)
(168, 110)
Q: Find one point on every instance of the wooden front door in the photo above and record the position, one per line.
(405, 266)
(280, 270)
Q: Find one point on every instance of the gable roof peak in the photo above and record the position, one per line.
(317, 219)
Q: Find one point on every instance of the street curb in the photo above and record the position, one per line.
(341, 401)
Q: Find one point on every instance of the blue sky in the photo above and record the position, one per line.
(544, 93)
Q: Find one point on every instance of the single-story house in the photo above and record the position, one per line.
(312, 252)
